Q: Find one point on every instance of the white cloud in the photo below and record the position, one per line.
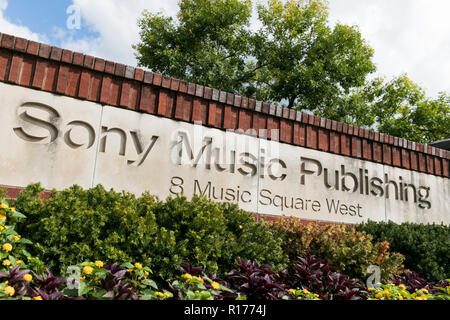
(116, 23)
(408, 36)
(10, 28)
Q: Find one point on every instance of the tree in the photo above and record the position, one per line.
(294, 59)
(294, 56)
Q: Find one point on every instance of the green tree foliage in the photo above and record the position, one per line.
(426, 247)
(293, 58)
(76, 225)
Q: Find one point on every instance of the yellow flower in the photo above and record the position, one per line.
(28, 277)
(19, 262)
(305, 291)
(2, 227)
(292, 291)
(424, 290)
(386, 293)
(402, 287)
(159, 294)
(99, 263)
(370, 289)
(37, 298)
(187, 276)
(2, 218)
(16, 238)
(378, 295)
(215, 285)
(6, 262)
(3, 206)
(138, 265)
(200, 279)
(87, 270)
(82, 278)
(7, 247)
(10, 291)
(146, 273)
(13, 210)
(400, 297)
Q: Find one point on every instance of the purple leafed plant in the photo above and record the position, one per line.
(256, 282)
(317, 276)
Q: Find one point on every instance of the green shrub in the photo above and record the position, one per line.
(345, 248)
(426, 247)
(76, 225)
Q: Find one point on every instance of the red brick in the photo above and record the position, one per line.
(218, 118)
(74, 79)
(109, 67)
(406, 163)
(89, 62)
(199, 90)
(50, 76)
(183, 87)
(208, 93)
(387, 154)
(27, 71)
(130, 95)
(165, 103)
(366, 149)
(430, 164)
(56, 54)
(245, 120)
(99, 64)
(311, 137)
(15, 69)
(237, 101)
(316, 121)
(139, 74)
(183, 108)
(396, 157)
(377, 152)
(95, 87)
(119, 69)
(273, 128)
(20, 44)
(251, 104)
(85, 83)
(422, 163)
(345, 144)
(7, 41)
(44, 51)
(286, 127)
(261, 126)
(39, 74)
(437, 166)
(157, 79)
(63, 79)
(5, 57)
(174, 84)
(78, 59)
(200, 111)
(245, 103)
(299, 134)
(165, 82)
(356, 147)
(339, 127)
(33, 48)
(67, 56)
(446, 168)
(414, 161)
(334, 142)
(323, 140)
(230, 118)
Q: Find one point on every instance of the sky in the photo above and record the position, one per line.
(408, 36)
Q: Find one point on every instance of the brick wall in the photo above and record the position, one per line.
(38, 66)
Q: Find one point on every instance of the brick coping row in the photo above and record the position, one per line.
(42, 67)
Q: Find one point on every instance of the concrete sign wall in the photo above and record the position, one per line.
(61, 141)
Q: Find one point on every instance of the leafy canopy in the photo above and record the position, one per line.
(292, 57)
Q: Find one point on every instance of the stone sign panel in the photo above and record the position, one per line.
(61, 141)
